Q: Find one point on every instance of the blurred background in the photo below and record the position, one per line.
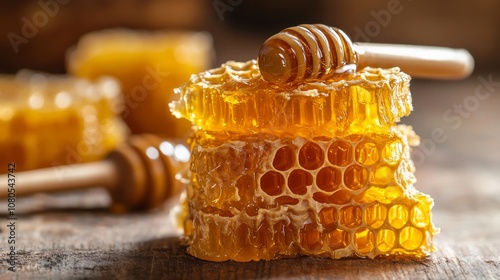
(238, 27)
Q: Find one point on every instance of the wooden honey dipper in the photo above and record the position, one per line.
(313, 51)
(139, 175)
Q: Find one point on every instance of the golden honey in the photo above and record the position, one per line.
(149, 65)
(51, 120)
(235, 100)
(315, 168)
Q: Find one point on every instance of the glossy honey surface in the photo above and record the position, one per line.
(335, 187)
(306, 52)
(235, 99)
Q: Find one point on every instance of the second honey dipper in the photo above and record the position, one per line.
(313, 51)
(139, 175)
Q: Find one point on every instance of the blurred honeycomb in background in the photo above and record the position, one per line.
(146, 64)
(52, 120)
(149, 66)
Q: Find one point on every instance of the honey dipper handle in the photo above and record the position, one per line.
(417, 61)
(63, 178)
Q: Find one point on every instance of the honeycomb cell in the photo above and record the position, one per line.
(381, 194)
(340, 197)
(310, 237)
(298, 180)
(244, 236)
(321, 197)
(410, 238)
(381, 176)
(329, 178)
(398, 216)
(233, 169)
(354, 138)
(311, 156)
(272, 183)
(283, 200)
(284, 158)
(337, 239)
(264, 235)
(355, 177)
(386, 239)
(213, 238)
(350, 216)
(364, 240)
(392, 152)
(363, 110)
(340, 153)
(246, 187)
(328, 218)
(283, 234)
(418, 217)
(366, 153)
(375, 215)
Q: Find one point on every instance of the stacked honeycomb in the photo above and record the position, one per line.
(149, 65)
(50, 120)
(314, 168)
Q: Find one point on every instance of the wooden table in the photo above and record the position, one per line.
(72, 236)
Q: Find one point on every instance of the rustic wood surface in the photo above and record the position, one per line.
(72, 236)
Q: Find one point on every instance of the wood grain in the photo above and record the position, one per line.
(72, 236)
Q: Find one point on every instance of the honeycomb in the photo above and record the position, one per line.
(234, 99)
(52, 120)
(149, 65)
(318, 168)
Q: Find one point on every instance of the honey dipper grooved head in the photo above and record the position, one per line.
(304, 52)
(148, 165)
